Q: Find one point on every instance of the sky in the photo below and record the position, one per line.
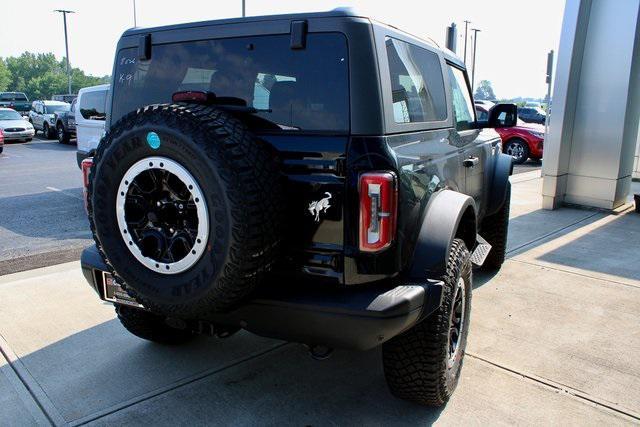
(512, 45)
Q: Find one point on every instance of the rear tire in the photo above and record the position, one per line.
(423, 364)
(63, 136)
(47, 131)
(151, 327)
(495, 230)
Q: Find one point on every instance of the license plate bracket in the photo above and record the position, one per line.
(113, 292)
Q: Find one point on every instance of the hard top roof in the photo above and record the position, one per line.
(345, 12)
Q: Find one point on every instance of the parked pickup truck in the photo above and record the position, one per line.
(16, 100)
(318, 178)
(66, 124)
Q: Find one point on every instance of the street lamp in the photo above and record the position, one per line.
(244, 9)
(466, 37)
(66, 44)
(475, 47)
(135, 20)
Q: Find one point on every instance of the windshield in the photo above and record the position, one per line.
(50, 109)
(9, 115)
(291, 89)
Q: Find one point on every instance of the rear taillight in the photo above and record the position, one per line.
(86, 170)
(378, 210)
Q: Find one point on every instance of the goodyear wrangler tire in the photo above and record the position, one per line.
(184, 205)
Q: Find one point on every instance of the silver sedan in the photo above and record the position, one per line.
(14, 126)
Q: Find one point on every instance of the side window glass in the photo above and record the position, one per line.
(92, 105)
(462, 105)
(417, 86)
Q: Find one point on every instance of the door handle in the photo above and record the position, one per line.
(470, 162)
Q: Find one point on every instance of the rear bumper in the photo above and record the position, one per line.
(348, 318)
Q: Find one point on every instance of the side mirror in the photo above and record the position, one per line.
(502, 116)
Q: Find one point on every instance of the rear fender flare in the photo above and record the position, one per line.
(449, 214)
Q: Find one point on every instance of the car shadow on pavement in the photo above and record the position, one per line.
(106, 375)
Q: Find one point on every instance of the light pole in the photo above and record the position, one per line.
(135, 18)
(475, 48)
(466, 37)
(66, 44)
(243, 9)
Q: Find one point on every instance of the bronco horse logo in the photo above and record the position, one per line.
(319, 206)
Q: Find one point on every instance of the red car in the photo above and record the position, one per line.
(523, 141)
(1, 141)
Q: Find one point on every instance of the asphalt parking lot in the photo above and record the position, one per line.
(42, 218)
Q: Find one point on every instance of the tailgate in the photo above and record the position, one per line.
(313, 167)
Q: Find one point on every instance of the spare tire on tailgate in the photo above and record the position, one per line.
(184, 206)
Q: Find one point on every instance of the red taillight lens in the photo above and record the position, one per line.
(378, 210)
(86, 170)
(191, 96)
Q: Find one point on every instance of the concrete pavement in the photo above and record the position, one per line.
(554, 340)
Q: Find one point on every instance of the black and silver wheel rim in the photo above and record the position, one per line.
(162, 215)
(516, 150)
(457, 322)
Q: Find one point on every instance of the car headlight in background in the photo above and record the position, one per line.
(537, 134)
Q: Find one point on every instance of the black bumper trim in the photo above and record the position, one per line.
(337, 317)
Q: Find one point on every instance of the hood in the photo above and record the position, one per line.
(14, 124)
(531, 126)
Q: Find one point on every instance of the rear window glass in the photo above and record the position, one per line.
(417, 86)
(293, 89)
(93, 105)
(13, 97)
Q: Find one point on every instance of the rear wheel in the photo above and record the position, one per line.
(47, 131)
(63, 136)
(423, 364)
(518, 149)
(151, 327)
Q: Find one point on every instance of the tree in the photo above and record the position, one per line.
(42, 75)
(5, 76)
(485, 91)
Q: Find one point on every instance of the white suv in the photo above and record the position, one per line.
(91, 112)
(43, 116)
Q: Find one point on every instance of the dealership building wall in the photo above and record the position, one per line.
(594, 126)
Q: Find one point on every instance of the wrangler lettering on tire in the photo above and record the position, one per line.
(209, 210)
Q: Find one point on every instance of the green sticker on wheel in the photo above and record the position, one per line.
(153, 140)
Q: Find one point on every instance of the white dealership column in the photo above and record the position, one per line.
(593, 129)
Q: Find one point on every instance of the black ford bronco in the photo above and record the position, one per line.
(317, 178)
